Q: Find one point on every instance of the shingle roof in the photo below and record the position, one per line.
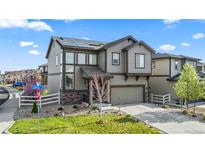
(119, 40)
(174, 78)
(168, 55)
(164, 55)
(43, 65)
(188, 57)
(88, 71)
(202, 74)
(85, 44)
(82, 43)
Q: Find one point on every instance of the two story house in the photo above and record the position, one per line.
(44, 73)
(166, 69)
(125, 62)
(200, 67)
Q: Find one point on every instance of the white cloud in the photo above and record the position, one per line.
(171, 23)
(185, 44)
(25, 43)
(21, 23)
(167, 47)
(198, 36)
(70, 20)
(34, 52)
(85, 38)
(35, 45)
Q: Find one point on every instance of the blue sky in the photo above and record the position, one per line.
(24, 43)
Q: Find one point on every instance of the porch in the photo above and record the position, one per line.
(98, 83)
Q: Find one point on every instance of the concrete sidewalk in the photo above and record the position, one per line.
(170, 121)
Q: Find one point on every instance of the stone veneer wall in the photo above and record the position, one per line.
(74, 97)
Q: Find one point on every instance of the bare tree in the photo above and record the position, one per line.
(100, 89)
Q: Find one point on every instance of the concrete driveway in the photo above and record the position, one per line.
(170, 120)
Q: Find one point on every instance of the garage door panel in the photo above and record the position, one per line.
(127, 95)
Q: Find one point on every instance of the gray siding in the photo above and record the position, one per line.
(160, 86)
(54, 83)
(55, 50)
(101, 60)
(173, 70)
(192, 62)
(117, 48)
(120, 80)
(80, 82)
(162, 67)
(131, 60)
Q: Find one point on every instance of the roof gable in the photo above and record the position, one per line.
(137, 44)
(129, 37)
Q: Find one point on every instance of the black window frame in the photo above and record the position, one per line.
(89, 58)
(136, 60)
(84, 59)
(113, 59)
(64, 70)
(73, 58)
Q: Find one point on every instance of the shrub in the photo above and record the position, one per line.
(184, 112)
(34, 108)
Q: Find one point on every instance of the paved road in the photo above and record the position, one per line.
(7, 109)
(170, 120)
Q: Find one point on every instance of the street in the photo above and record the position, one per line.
(7, 109)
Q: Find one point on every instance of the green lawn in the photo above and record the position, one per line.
(82, 124)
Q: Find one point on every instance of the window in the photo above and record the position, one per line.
(81, 58)
(153, 64)
(176, 64)
(69, 68)
(69, 81)
(57, 60)
(61, 58)
(69, 58)
(115, 58)
(92, 59)
(139, 60)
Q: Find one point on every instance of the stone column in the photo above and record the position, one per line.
(108, 90)
(90, 92)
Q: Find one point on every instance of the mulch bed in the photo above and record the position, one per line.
(49, 111)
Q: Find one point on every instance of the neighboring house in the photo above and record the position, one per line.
(126, 63)
(200, 67)
(1, 77)
(166, 69)
(44, 73)
(13, 76)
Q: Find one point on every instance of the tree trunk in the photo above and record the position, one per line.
(186, 105)
(101, 110)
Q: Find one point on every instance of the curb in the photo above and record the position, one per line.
(6, 131)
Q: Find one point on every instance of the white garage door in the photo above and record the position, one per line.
(127, 95)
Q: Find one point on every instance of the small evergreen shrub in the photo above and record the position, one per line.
(34, 108)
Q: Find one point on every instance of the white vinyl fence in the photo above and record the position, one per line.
(161, 98)
(48, 99)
